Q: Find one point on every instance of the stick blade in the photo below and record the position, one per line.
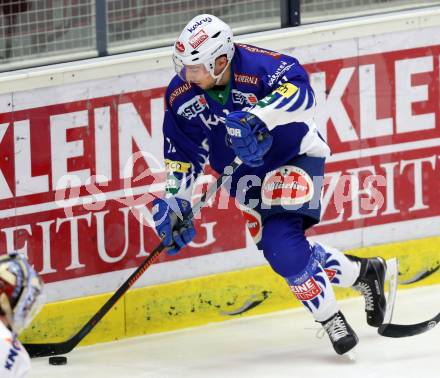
(407, 330)
(46, 350)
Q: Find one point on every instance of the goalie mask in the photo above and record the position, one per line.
(203, 40)
(21, 288)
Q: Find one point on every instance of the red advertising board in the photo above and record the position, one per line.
(379, 112)
(41, 147)
(382, 117)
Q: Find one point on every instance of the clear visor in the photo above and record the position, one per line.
(190, 73)
(30, 304)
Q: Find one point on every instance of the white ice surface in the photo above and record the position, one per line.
(282, 344)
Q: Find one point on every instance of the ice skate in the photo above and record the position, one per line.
(371, 284)
(340, 333)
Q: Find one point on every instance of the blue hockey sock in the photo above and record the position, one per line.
(291, 256)
(313, 288)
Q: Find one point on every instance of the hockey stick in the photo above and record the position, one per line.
(50, 349)
(406, 330)
(389, 329)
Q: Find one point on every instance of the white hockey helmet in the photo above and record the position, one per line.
(202, 41)
(21, 289)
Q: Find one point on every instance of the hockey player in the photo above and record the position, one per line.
(227, 100)
(20, 300)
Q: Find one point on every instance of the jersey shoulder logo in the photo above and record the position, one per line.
(178, 91)
(246, 79)
(286, 90)
(279, 72)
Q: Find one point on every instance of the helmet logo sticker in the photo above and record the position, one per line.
(199, 23)
(197, 39)
(180, 47)
(205, 38)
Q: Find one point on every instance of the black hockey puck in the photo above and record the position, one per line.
(58, 360)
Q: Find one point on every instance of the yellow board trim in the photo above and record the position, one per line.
(202, 300)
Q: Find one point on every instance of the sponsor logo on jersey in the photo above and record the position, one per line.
(286, 90)
(265, 101)
(307, 290)
(13, 353)
(243, 98)
(180, 47)
(253, 222)
(280, 71)
(178, 91)
(199, 23)
(172, 184)
(197, 39)
(287, 185)
(193, 107)
(246, 79)
(212, 120)
(177, 166)
(258, 50)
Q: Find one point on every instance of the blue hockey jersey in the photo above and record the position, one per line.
(273, 86)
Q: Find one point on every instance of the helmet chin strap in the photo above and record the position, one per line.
(218, 77)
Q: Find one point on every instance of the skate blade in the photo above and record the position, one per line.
(350, 356)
